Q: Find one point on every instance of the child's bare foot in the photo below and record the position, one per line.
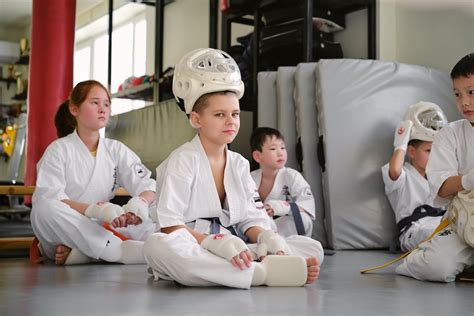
(62, 252)
(313, 270)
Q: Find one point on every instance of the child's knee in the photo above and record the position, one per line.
(435, 266)
(155, 247)
(44, 212)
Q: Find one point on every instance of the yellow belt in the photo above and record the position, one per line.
(444, 223)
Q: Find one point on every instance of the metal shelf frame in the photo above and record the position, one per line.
(252, 15)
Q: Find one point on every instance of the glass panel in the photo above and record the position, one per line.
(100, 59)
(139, 63)
(82, 65)
(122, 57)
(121, 106)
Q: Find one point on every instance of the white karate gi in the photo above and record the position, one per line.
(186, 194)
(405, 194)
(446, 255)
(290, 186)
(67, 170)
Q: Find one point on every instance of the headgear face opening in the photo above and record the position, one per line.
(427, 118)
(202, 71)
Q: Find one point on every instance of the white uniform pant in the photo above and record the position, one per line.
(55, 223)
(418, 232)
(285, 225)
(178, 256)
(439, 259)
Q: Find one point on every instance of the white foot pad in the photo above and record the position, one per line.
(132, 252)
(281, 271)
(77, 257)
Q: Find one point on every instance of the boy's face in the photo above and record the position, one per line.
(219, 121)
(273, 154)
(419, 155)
(464, 92)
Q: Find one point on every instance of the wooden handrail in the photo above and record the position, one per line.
(8, 243)
(29, 189)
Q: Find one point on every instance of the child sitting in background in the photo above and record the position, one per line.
(406, 184)
(451, 177)
(78, 176)
(285, 193)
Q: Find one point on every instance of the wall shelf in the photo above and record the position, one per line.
(24, 60)
(142, 92)
(9, 81)
(252, 14)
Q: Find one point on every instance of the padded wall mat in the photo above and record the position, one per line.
(286, 118)
(307, 133)
(360, 103)
(152, 132)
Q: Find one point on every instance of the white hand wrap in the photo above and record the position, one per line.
(105, 212)
(461, 215)
(467, 180)
(402, 135)
(224, 246)
(137, 206)
(280, 208)
(270, 242)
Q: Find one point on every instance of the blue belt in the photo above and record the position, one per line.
(295, 211)
(215, 228)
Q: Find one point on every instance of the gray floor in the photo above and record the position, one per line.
(113, 289)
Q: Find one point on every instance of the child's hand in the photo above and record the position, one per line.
(269, 209)
(279, 207)
(104, 211)
(243, 260)
(402, 135)
(126, 219)
(137, 205)
(229, 247)
(270, 243)
(467, 180)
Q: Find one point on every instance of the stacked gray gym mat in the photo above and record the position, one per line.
(350, 108)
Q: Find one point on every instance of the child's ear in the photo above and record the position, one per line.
(410, 151)
(195, 120)
(256, 156)
(74, 109)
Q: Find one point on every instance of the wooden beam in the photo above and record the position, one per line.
(28, 190)
(8, 243)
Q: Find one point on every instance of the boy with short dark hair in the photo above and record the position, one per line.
(285, 193)
(406, 185)
(451, 177)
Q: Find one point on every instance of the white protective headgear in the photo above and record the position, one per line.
(205, 70)
(427, 118)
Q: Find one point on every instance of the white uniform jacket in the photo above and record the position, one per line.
(406, 193)
(452, 154)
(67, 170)
(289, 186)
(186, 191)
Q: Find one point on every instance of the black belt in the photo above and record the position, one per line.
(417, 214)
(406, 222)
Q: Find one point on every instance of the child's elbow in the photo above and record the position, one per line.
(394, 174)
